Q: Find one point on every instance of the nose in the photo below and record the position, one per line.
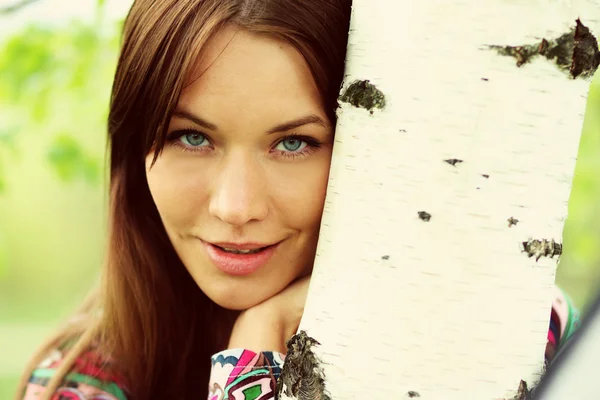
(239, 192)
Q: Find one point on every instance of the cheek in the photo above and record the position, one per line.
(301, 195)
(176, 191)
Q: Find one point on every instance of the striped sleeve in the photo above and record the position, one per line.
(88, 379)
(564, 321)
(244, 374)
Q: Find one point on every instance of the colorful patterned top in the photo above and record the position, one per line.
(236, 373)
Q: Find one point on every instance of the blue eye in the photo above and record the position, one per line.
(193, 139)
(292, 144)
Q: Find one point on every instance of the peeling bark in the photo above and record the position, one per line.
(542, 248)
(363, 94)
(575, 52)
(453, 161)
(302, 376)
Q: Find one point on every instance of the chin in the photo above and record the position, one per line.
(235, 306)
(237, 300)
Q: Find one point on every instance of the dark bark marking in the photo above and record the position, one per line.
(526, 393)
(586, 56)
(363, 94)
(512, 221)
(453, 161)
(424, 215)
(575, 52)
(523, 392)
(302, 374)
(542, 248)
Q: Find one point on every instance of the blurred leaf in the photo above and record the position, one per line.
(91, 170)
(58, 78)
(71, 162)
(40, 64)
(65, 155)
(7, 143)
(25, 56)
(3, 254)
(7, 136)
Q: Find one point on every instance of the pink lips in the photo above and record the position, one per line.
(238, 264)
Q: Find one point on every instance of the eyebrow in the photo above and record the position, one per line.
(286, 126)
(184, 114)
(309, 119)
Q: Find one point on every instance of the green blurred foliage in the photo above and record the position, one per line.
(54, 94)
(579, 269)
(59, 78)
(71, 161)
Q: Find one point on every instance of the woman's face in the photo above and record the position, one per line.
(245, 167)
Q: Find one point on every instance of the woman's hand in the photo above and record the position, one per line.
(268, 325)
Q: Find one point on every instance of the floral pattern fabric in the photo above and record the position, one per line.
(88, 379)
(240, 374)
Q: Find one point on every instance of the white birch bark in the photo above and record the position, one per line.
(451, 308)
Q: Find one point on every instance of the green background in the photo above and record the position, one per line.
(55, 82)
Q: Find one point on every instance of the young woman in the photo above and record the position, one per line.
(221, 131)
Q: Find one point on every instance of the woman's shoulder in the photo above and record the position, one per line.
(89, 378)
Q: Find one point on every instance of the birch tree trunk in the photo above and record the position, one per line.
(455, 148)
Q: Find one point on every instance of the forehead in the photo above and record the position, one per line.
(238, 70)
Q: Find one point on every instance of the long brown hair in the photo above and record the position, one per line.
(149, 314)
